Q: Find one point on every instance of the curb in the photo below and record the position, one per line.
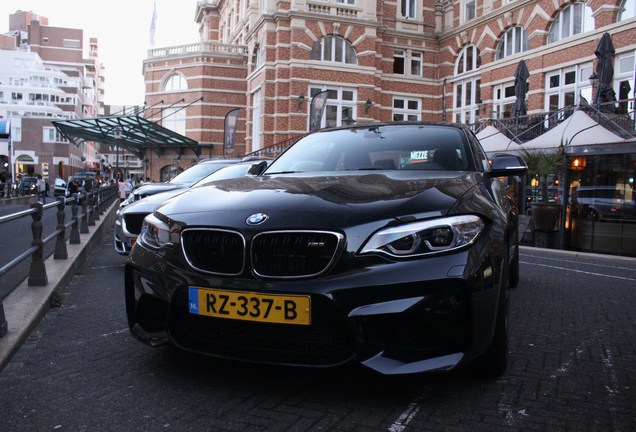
(27, 305)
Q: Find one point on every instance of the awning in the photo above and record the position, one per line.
(578, 129)
(5, 128)
(494, 141)
(130, 132)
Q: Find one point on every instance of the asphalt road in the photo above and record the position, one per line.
(573, 351)
(16, 237)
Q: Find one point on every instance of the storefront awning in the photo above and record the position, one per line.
(130, 132)
(5, 128)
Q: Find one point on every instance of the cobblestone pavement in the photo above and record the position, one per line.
(573, 351)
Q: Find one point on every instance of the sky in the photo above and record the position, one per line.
(122, 28)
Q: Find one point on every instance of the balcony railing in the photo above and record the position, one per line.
(198, 48)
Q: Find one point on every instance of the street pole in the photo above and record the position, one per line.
(117, 133)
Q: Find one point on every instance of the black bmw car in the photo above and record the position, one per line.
(389, 245)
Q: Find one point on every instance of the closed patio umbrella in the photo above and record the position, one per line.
(605, 71)
(522, 74)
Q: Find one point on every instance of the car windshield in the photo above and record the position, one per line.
(197, 172)
(386, 147)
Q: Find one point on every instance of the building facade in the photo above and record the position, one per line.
(44, 75)
(434, 60)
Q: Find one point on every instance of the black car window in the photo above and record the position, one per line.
(385, 147)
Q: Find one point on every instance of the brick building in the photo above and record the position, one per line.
(405, 59)
(44, 75)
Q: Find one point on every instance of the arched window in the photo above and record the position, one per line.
(512, 42)
(469, 59)
(627, 10)
(572, 20)
(467, 86)
(333, 48)
(175, 82)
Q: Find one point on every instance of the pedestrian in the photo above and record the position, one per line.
(41, 186)
(72, 187)
(129, 186)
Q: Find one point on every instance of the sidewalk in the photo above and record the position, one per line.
(25, 306)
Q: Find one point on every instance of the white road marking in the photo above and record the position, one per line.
(580, 271)
(405, 418)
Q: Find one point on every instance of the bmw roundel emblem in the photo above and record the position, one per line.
(256, 219)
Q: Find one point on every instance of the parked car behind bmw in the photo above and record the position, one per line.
(130, 218)
(182, 181)
(387, 245)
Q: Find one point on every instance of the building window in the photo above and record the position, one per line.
(347, 2)
(175, 82)
(341, 105)
(503, 98)
(175, 119)
(470, 10)
(468, 60)
(401, 58)
(513, 41)
(333, 48)
(71, 43)
(406, 109)
(257, 56)
(564, 87)
(50, 135)
(572, 20)
(467, 87)
(408, 8)
(623, 80)
(627, 10)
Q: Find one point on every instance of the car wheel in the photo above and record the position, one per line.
(513, 271)
(494, 361)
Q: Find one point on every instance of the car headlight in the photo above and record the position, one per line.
(425, 237)
(156, 234)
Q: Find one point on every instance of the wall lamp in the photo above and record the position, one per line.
(594, 79)
(300, 101)
(367, 106)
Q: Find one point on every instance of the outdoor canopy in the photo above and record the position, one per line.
(494, 141)
(578, 129)
(130, 132)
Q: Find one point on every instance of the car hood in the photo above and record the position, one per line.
(150, 202)
(155, 188)
(331, 201)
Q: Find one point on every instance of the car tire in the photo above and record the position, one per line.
(494, 361)
(513, 271)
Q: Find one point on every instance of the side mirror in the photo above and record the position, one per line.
(257, 168)
(504, 165)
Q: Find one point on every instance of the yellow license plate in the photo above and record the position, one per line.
(250, 306)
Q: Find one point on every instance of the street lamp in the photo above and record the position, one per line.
(117, 134)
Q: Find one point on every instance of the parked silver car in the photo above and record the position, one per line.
(602, 202)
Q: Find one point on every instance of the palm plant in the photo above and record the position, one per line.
(541, 164)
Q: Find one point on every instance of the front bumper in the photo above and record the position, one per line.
(413, 316)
